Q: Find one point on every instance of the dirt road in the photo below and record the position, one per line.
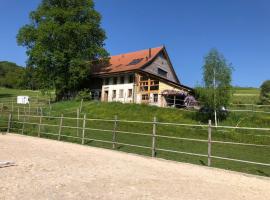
(48, 169)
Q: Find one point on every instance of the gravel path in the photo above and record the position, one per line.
(48, 169)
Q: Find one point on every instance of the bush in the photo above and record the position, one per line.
(84, 94)
(265, 93)
(206, 113)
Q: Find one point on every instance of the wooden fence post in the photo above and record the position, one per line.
(2, 107)
(29, 109)
(83, 131)
(81, 105)
(50, 105)
(18, 114)
(23, 122)
(154, 137)
(39, 125)
(78, 115)
(12, 106)
(114, 131)
(60, 127)
(209, 142)
(9, 122)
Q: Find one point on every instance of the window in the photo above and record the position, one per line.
(114, 94)
(122, 79)
(130, 78)
(129, 92)
(121, 93)
(143, 87)
(145, 97)
(107, 80)
(154, 85)
(135, 61)
(114, 80)
(155, 98)
(162, 72)
(95, 94)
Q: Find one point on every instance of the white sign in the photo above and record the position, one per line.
(22, 99)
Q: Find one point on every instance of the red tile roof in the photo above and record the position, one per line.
(128, 61)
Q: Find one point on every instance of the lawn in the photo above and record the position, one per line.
(144, 113)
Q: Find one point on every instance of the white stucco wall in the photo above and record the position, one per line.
(151, 99)
(125, 87)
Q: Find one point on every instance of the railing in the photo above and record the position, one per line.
(81, 128)
(37, 104)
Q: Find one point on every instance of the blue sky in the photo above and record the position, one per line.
(240, 29)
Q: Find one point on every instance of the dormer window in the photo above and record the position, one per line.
(162, 72)
(135, 61)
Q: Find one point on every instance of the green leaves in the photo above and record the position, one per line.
(61, 37)
(265, 93)
(216, 66)
(216, 91)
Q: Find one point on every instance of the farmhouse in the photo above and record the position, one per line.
(145, 76)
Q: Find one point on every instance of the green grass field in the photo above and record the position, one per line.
(245, 95)
(146, 113)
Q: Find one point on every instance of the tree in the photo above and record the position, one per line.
(30, 79)
(216, 91)
(61, 37)
(265, 93)
(10, 74)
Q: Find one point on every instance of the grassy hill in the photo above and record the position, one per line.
(144, 113)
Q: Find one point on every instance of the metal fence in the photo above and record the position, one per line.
(80, 127)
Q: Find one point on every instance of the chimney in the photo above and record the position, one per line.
(150, 53)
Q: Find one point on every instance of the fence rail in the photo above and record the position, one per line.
(208, 129)
(40, 105)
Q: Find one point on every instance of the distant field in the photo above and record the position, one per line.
(246, 95)
(98, 110)
(8, 94)
(247, 90)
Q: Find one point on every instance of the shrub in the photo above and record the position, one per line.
(84, 94)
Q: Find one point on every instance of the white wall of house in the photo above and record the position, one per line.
(152, 102)
(151, 99)
(124, 92)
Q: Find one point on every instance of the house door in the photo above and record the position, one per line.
(106, 94)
